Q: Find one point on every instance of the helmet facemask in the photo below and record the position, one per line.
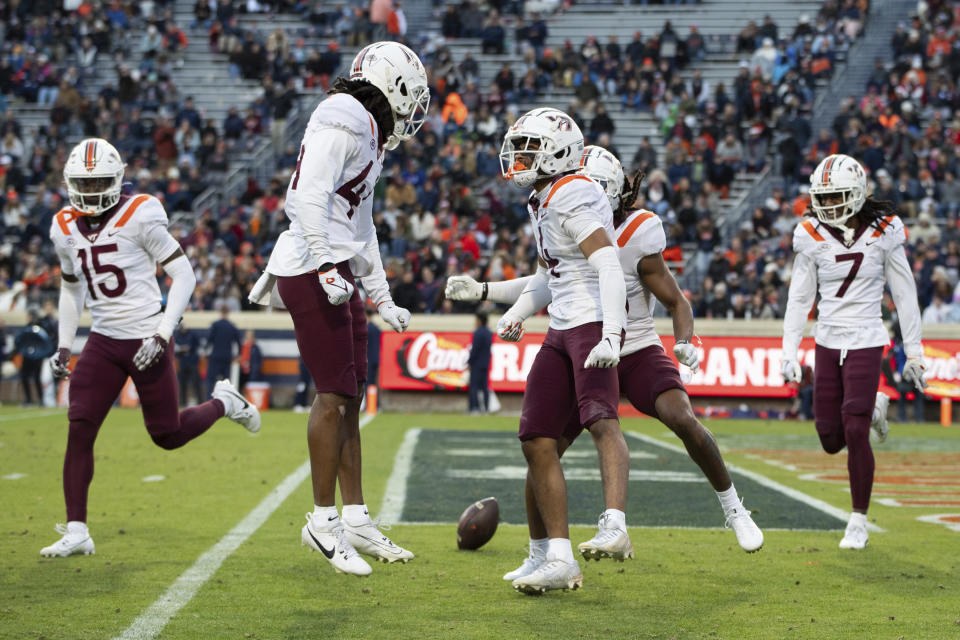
(836, 215)
(520, 159)
(95, 194)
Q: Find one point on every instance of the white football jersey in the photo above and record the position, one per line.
(850, 280)
(339, 165)
(639, 236)
(118, 264)
(563, 215)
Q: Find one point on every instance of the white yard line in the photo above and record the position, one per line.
(396, 494)
(29, 415)
(767, 482)
(152, 621)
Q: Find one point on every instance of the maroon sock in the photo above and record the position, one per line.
(860, 463)
(78, 468)
(194, 421)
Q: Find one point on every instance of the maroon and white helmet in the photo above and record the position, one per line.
(399, 74)
(541, 143)
(93, 174)
(838, 174)
(602, 167)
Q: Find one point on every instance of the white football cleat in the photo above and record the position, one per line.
(553, 574)
(76, 539)
(611, 541)
(748, 533)
(335, 547)
(369, 540)
(530, 564)
(879, 428)
(236, 407)
(855, 536)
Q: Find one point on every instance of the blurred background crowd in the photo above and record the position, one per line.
(441, 207)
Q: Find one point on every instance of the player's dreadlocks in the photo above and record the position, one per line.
(372, 100)
(628, 195)
(871, 213)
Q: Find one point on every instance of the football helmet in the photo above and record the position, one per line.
(602, 167)
(93, 174)
(542, 142)
(838, 174)
(399, 74)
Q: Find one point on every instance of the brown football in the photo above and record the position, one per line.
(478, 524)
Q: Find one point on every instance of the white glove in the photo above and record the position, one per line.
(396, 317)
(337, 289)
(60, 363)
(149, 352)
(463, 288)
(790, 369)
(510, 329)
(913, 373)
(687, 354)
(603, 356)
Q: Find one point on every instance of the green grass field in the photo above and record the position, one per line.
(689, 579)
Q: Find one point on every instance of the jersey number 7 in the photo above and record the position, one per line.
(857, 259)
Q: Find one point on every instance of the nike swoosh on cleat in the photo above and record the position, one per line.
(323, 549)
(332, 518)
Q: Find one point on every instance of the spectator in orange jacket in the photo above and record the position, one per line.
(454, 107)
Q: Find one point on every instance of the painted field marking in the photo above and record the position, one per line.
(767, 482)
(152, 621)
(395, 497)
(29, 415)
(519, 472)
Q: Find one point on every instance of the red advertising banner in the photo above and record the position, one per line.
(729, 366)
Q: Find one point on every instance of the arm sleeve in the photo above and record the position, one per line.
(375, 282)
(72, 295)
(903, 288)
(613, 290)
(803, 291)
(507, 291)
(535, 295)
(157, 240)
(178, 297)
(321, 167)
(70, 308)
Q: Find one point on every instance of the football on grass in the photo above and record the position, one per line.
(478, 524)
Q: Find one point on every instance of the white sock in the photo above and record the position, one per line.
(859, 519)
(616, 518)
(539, 547)
(324, 517)
(729, 500)
(560, 549)
(355, 514)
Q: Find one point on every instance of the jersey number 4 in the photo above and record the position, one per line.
(348, 190)
(857, 260)
(95, 252)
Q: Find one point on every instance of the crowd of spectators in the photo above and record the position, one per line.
(440, 207)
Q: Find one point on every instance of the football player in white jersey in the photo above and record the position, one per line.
(846, 253)
(109, 245)
(574, 372)
(330, 242)
(647, 376)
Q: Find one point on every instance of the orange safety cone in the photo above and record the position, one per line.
(946, 412)
(371, 399)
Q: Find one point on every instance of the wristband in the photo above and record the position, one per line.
(326, 266)
(486, 290)
(681, 342)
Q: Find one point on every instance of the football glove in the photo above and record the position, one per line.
(790, 369)
(463, 288)
(60, 363)
(686, 354)
(150, 352)
(337, 289)
(396, 317)
(509, 328)
(604, 355)
(913, 373)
